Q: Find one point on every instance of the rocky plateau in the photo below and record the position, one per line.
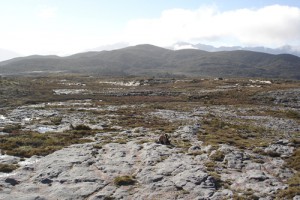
(223, 146)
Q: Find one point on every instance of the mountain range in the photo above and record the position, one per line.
(151, 60)
(281, 50)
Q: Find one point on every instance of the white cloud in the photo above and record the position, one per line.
(270, 26)
(188, 46)
(48, 31)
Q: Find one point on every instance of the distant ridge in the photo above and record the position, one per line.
(152, 60)
(282, 50)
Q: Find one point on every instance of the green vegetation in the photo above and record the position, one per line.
(120, 140)
(271, 154)
(82, 127)
(218, 156)
(294, 160)
(290, 114)
(56, 120)
(7, 168)
(243, 136)
(195, 153)
(293, 114)
(293, 189)
(98, 146)
(210, 165)
(138, 117)
(109, 198)
(124, 180)
(184, 144)
(12, 128)
(27, 144)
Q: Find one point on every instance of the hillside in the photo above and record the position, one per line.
(152, 60)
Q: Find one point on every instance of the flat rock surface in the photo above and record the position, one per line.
(84, 172)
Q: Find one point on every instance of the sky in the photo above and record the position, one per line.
(64, 27)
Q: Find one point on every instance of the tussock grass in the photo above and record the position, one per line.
(218, 156)
(27, 144)
(243, 136)
(124, 180)
(7, 168)
(210, 165)
(292, 190)
(12, 128)
(294, 160)
(183, 144)
(82, 127)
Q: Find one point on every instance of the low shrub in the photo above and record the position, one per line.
(273, 154)
(12, 128)
(294, 160)
(243, 136)
(124, 180)
(56, 120)
(7, 168)
(293, 189)
(218, 156)
(27, 144)
(82, 127)
(293, 114)
(210, 166)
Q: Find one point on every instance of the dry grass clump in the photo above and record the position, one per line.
(290, 114)
(218, 156)
(243, 196)
(210, 165)
(139, 118)
(13, 128)
(124, 180)
(27, 144)
(56, 120)
(7, 168)
(294, 160)
(98, 146)
(122, 140)
(294, 183)
(82, 127)
(182, 143)
(243, 136)
(273, 154)
(195, 153)
(293, 189)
